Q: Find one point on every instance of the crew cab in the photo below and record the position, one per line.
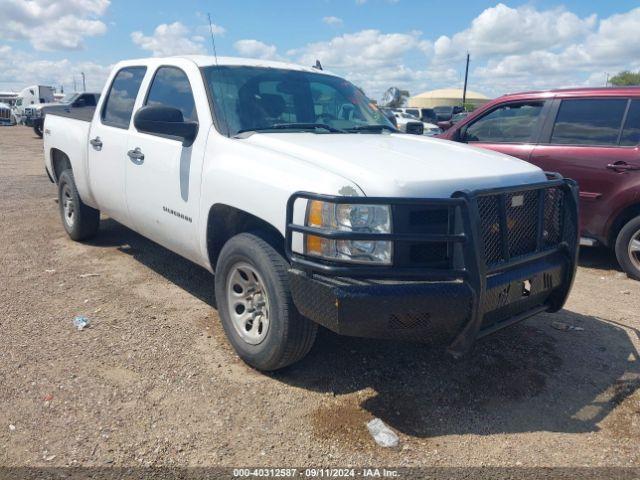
(307, 218)
(68, 104)
(589, 134)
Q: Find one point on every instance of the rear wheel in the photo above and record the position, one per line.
(255, 305)
(79, 220)
(628, 248)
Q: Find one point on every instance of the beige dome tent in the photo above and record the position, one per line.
(446, 96)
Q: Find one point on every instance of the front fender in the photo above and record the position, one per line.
(260, 182)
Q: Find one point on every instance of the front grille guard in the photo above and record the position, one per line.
(476, 267)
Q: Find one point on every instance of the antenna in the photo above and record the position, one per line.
(215, 56)
(213, 40)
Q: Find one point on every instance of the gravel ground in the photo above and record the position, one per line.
(154, 381)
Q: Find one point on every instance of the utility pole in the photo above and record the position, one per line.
(84, 84)
(75, 88)
(466, 76)
(606, 82)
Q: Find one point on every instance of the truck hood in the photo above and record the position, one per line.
(402, 165)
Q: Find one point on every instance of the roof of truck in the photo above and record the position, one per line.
(210, 60)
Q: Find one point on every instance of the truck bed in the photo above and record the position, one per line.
(85, 113)
(69, 134)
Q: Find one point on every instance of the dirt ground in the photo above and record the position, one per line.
(154, 381)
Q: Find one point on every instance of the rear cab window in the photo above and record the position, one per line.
(118, 105)
(589, 121)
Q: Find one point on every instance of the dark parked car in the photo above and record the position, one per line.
(445, 112)
(77, 103)
(454, 119)
(589, 135)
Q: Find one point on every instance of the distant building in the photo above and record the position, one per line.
(446, 97)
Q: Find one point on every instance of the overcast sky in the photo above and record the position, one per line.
(416, 45)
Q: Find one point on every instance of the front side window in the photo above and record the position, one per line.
(631, 132)
(279, 100)
(122, 96)
(513, 123)
(589, 122)
(171, 88)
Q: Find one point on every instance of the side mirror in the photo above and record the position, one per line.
(165, 122)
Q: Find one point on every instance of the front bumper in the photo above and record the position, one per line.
(431, 312)
(487, 290)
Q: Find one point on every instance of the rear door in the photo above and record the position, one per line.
(108, 137)
(510, 128)
(587, 142)
(163, 186)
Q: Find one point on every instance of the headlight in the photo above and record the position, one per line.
(359, 218)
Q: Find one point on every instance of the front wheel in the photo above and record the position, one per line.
(79, 220)
(37, 129)
(628, 248)
(255, 305)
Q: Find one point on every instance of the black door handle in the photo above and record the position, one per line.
(136, 156)
(622, 167)
(96, 143)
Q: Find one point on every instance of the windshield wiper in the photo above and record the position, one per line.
(371, 128)
(309, 126)
(293, 126)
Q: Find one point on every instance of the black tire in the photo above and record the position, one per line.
(289, 335)
(37, 128)
(629, 260)
(79, 220)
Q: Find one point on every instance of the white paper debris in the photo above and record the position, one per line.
(382, 434)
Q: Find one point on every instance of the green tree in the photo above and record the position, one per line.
(625, 78)
(468, 107)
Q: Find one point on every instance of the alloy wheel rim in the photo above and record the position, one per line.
(248, 303)
(68, 206)
(634, 249)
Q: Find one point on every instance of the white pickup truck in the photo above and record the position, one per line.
(308, 215)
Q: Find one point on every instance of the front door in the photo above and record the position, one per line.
(108, 137)
(589, 144)
(163, 176)
(510, 128)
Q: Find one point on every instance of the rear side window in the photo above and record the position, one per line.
(512, 123)
(171, 88)
(589, 122)
(122, 96)
(631, 132)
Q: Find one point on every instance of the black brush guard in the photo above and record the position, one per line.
(513, 254)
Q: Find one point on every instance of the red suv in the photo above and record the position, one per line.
(590, 135)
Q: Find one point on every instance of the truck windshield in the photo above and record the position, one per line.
(278, 100)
